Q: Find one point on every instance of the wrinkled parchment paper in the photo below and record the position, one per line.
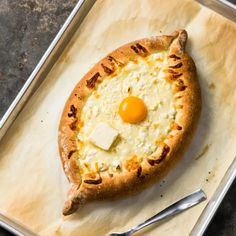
(32, 183)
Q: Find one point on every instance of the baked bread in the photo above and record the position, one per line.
(147, 94)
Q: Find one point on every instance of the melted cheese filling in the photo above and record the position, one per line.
(144, 79)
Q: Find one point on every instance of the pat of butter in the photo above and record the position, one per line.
(103, 136)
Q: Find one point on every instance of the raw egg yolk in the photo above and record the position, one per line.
(132, 110)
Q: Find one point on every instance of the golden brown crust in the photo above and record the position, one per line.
(181, 71)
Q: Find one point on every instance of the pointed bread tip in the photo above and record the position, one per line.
(178, 44)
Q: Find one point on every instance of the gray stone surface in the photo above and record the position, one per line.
(26, 29)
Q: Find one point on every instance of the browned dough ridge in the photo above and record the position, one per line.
(182, 72)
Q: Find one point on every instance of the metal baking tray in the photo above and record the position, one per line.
(49, 58)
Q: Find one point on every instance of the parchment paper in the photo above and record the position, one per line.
(32, 183)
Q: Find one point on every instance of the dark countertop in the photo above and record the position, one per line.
(26, 29)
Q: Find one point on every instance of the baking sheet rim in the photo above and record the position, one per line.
(221, 190)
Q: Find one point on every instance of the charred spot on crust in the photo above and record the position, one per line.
(113, 60)
(180, 82)
(175, 126)
(93, 181)
(92, 81)
(113, 64)
(118, 168)
(80, 97)
(173, 71)
(177, 65)
(139, 172)
(142, 48)
(73, 125)
(134, 49)
(175, 76)
(151, 162)
(139, 49)
(164, 153)
(179, 127)
(73, 111)
(174, 57)
(71, 153)
(180, 86)
(107, 70)
(178, 97)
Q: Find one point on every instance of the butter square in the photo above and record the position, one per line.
(103, 136)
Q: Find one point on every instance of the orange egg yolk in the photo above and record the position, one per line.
(132, 110)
